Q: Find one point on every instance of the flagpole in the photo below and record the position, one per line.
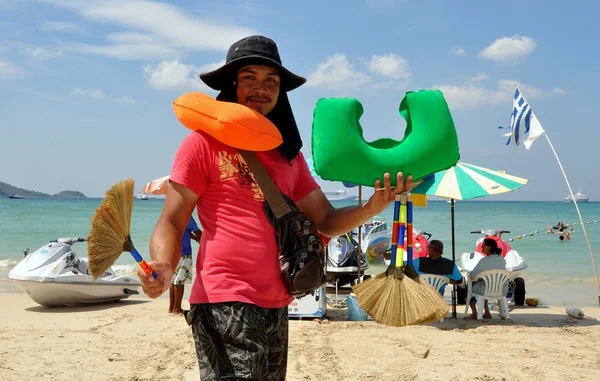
(515, 121)
(578, 212)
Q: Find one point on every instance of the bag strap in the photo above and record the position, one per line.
(273, 196)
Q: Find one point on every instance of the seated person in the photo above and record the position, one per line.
(435, 264)
(493, 261)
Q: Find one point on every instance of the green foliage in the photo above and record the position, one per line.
(7, 189)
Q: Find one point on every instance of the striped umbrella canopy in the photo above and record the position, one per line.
(467, 181)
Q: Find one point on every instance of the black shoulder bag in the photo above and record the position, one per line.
(302, 254)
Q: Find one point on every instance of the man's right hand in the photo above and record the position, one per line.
(155, 287)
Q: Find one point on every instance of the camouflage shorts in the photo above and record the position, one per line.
(240, 341)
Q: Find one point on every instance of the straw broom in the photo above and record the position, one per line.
(391, 297)
(110, 232)
(432, 300)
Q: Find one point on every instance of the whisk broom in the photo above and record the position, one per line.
(431, 302)
(388, 297)
(110, 230)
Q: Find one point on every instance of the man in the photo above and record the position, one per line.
(492, 261)
(183, 271)
(239, 303)
(434, 263)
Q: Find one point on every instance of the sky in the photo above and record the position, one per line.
(86, 87)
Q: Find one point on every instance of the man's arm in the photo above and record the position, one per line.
(165, 243)
(456, 277)
(332, 222)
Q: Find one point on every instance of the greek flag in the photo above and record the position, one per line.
(522, 122)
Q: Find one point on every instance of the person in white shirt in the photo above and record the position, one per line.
(492, 261)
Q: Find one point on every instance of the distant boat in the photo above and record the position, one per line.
(142, 196)
(12, 195)
(340, 195)
(579, 197)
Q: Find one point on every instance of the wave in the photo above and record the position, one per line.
(125, 269)
(8, 263)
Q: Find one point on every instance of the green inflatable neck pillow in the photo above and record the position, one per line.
(340, 152)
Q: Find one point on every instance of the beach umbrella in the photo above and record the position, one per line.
(464, 182)
(158, 186)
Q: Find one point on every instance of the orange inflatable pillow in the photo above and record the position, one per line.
(230, 123)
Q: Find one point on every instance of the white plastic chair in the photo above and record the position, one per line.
(437, 282)
(494, 290)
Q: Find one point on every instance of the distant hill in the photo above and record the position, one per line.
(6, 189)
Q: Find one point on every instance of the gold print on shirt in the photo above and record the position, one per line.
(233, 167)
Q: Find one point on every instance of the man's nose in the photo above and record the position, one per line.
(260, 88)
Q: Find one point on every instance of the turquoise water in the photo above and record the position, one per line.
(558, 271)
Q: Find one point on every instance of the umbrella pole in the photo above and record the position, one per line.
(359, 259)
(453, 258)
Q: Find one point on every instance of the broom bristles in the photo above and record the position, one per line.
(394, 298)
(110, 225)
(120, 197)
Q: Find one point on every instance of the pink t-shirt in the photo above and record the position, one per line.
(238, 255)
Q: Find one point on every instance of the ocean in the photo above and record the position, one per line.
(559, 272)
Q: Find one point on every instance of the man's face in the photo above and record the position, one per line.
(433, 253)
(258, 87)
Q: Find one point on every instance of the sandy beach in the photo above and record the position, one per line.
(137, 340)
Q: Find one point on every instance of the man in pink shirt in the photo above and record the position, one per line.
(239, 314)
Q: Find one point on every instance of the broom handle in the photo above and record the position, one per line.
(402, 233)
(409, 230)
(395, 226)
(142, 263)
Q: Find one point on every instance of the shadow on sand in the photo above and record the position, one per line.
(518, 318)
(87, 308)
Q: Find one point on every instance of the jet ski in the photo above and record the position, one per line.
(54, 276)
(342, 260)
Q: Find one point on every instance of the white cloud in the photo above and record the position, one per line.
(167, 30)
(175, 75)
(64, 27)
(40, 53)
(473, 94)
(32, 51)
(479, 77)
(509, 49)
(125, 51)
(125, 100)
(88, 93)
(336, 72)
(130, 38)
(558, 91)
(389, 65)
(458, 51)
(8, 69)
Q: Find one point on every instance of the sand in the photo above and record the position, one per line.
(137, 340)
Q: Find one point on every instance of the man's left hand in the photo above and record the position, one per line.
(385, 194)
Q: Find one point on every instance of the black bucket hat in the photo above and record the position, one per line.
(252, 50)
